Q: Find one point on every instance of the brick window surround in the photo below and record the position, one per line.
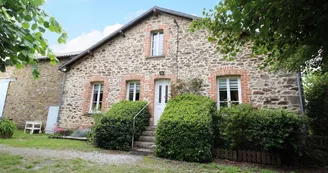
(132, 77)
(151, 92)
(227, 71)
(148, 36)
(88, 91)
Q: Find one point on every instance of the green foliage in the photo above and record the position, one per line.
(115, 129)
(185, 131)
(193, 86)
(7, 128)
(22, 25)
(316, 94)
(290, 32)
(247, 128)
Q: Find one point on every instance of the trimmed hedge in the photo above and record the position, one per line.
(317, 103)
(246, 128)
(7, 128)
(115, 129)
(185, 130)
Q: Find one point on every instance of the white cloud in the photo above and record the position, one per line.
(133, 15)
(85, 40)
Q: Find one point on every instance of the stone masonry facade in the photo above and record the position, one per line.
(126, 58)
(29, 99)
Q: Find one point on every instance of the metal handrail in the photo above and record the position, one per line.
(134, 122)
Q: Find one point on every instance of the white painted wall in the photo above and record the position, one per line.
(3, 92)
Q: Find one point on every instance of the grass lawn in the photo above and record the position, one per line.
(19, 164)
(21, 139)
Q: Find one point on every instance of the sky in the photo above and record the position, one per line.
(88, 21)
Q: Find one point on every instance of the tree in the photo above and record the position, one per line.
(291, 33)
(22, 25)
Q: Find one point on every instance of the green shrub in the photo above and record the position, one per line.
(115, 129)
(185, 130)
(247, 128)
(316, 94)
(7, 128)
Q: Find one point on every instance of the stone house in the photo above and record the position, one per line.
(140, 61)
(22, 98)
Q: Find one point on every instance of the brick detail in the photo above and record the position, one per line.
(147, 40)
(132, 77)
(88, 91)
(151, 91)
(230, 71)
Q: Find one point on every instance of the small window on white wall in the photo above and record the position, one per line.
(96, 97)
(133, 91)
(229, 91)
(157, 43)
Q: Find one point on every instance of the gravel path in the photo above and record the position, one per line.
(93, 156)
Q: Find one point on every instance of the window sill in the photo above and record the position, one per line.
(91, 114)
(153, 57)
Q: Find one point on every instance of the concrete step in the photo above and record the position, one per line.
(151, 128)
(141, 144)
(148, 133)
(141, 151)
(147, 138)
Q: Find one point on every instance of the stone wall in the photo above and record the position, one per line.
(127, 58)
(29, 99)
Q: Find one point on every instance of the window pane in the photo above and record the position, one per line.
(137, 91)
(234, 95)
(160, 47)
(223, 104)
(154, 44)
(166, 93)
(222, 84)
(130, 91)
(223, 96)
(160, 94)
(233, 84)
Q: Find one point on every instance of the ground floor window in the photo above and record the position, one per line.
(96, 97)
(229, 91)
(133, 90)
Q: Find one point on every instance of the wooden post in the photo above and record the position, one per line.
(244, 156)
(258, 157)
(263, 157)
(234, 155)
(268, 158)
(274, 159)
(240, 155)
(278, 159)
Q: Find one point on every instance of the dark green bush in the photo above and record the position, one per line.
(185, 130)
(115, 129)
(7, 128)
(316, 94)
(247, 128)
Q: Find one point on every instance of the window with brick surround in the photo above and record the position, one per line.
(96, 97)
(133, 91)
(229, 91)
(157, 43)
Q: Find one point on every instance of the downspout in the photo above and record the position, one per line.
(62, 92)
(301, 100)
(300, 91)
(177, 52)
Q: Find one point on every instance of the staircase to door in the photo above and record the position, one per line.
(146, 142)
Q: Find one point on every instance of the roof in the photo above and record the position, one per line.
(125, 28)
(60, 55)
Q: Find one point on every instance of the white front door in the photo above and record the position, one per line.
(162, 93)
(3, 92)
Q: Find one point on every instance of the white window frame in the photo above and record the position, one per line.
(134, 89)
(228, 90)
(158, 43)
(98, 97)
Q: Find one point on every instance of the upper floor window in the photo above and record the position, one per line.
(229, 91)
(133, 91)
(96, 97)
(157, 43)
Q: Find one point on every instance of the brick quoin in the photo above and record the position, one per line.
(147, 40)
(230, 71)
(88, 91)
